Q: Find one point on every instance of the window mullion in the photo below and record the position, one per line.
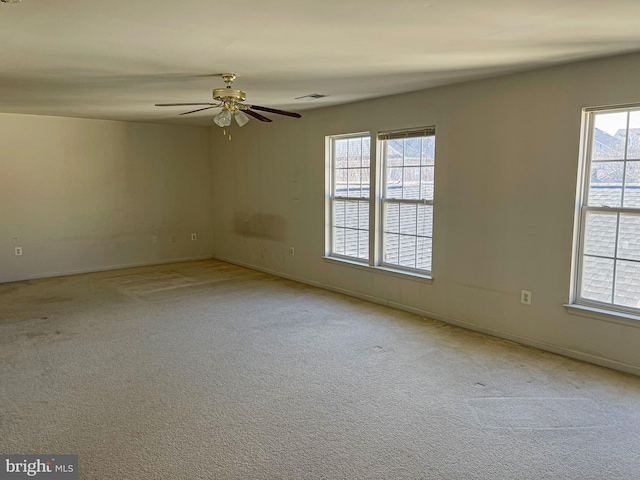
(410, 201)
(416, 238)
(374, 204)
(624, 165)
(614, 209)
(399, 232)
(404, 171)
(351, 199)
(615, 260)
(583, 221)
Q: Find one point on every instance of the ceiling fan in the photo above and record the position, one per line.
(230, 99)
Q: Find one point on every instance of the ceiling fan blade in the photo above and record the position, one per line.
(199, 110)
(274, 110)
(262, 118)
(180, 104)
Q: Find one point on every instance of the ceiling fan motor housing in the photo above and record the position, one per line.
(224, 94)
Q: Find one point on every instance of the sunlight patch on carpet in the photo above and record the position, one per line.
(153, 286)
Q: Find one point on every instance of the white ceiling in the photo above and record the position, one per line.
(114, 59)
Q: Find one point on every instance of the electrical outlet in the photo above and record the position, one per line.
(525, 297)
(154, 239)
(18, 251)
(292, 251)
(172, 239)
(194, 237)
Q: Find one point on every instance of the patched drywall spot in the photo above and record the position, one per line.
(260, 225)
(539, 413)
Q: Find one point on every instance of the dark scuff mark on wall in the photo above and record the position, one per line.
(260, 225)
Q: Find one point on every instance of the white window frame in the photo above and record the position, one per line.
(386, 136)
(578, 304)
(376, 220)
(332, 198)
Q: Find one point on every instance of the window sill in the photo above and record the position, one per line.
(605, 315)
(384, 270)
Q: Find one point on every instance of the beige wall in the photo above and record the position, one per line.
(506, 166)
(81, 195)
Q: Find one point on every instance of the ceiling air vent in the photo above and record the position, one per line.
(312, 96)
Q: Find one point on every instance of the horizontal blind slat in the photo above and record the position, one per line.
(413, 133)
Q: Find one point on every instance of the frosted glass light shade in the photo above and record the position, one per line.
(241, 118)
(223, 119)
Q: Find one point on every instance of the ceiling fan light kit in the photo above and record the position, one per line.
(230, 100)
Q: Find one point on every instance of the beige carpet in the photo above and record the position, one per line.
(205, 370)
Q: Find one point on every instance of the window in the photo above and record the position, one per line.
(393, 196)
(350, 197)
(608, 264)
(407, 201)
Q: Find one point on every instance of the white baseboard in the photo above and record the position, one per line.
(560, 350)
(102, 269)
